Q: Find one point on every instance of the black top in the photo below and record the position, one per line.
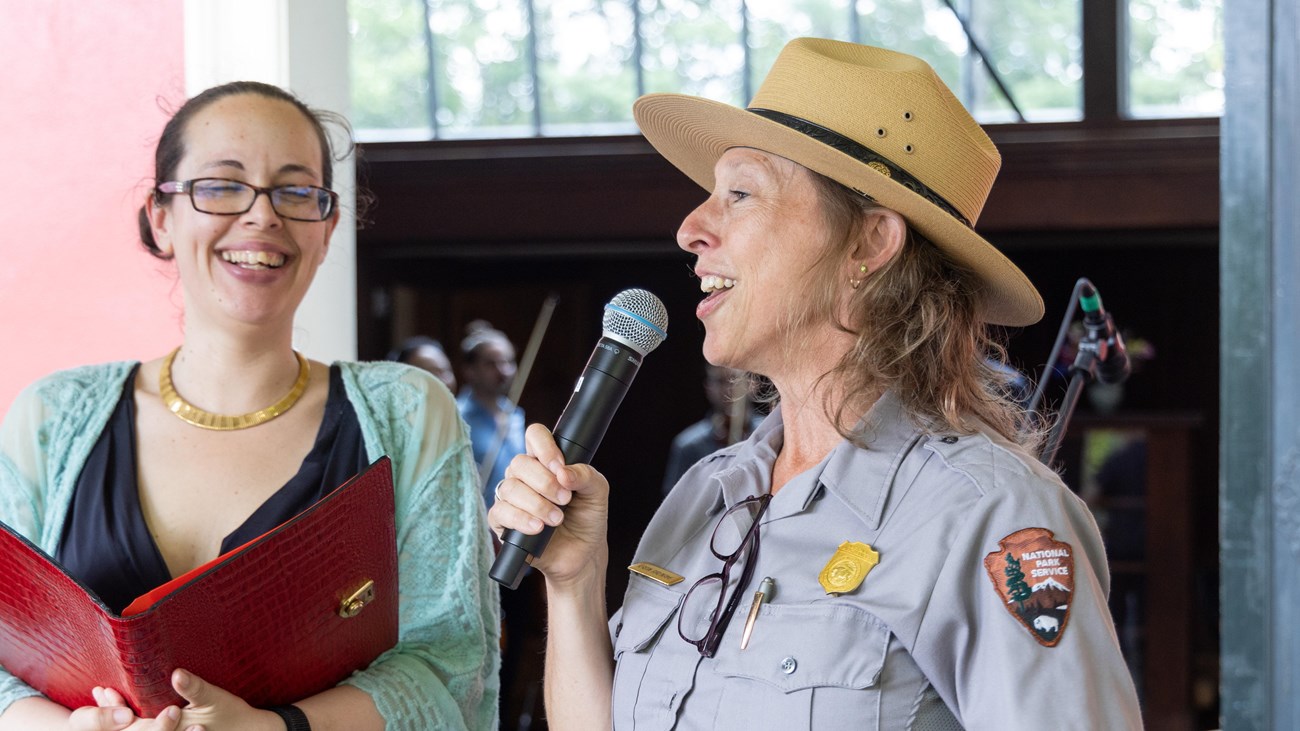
(106, 543)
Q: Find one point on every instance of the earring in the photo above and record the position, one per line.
(855, 283)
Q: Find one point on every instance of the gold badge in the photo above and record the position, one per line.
(848, 567)
(655, 573)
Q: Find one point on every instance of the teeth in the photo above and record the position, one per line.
(713, 283)
(254, 259)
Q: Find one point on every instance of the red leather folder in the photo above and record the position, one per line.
(282, 617)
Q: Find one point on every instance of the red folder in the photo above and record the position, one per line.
(282, 617)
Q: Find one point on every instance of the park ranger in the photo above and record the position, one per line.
(884, 552)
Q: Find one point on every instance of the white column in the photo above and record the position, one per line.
(302, 46)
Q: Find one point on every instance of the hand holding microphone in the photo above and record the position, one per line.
(635, 322)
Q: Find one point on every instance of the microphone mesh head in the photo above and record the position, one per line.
(637, 319)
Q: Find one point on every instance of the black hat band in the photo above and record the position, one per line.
(863, 154)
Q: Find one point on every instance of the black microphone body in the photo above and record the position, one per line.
(582, 425)
(597, 395)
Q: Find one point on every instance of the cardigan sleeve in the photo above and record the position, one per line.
(44, 439)
(23, 462)
(443, 671)
(21, 468)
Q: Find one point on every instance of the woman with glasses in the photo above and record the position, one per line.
(883, 552)
(133, 473)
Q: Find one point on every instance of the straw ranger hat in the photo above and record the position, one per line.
(879, 122)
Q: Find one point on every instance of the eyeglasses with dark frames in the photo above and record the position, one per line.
(754, 506)
(225, 197)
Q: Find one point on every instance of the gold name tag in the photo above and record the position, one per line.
(654, 573)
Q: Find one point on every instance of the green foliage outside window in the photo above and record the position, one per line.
(389, 63)
(1175, 58)
(591, 58)
(586, 68)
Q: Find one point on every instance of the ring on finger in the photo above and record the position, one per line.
(496, 491)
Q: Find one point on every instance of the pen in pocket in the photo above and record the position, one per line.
(764, 591)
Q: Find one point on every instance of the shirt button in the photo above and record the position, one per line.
(949, 440)
(788, 665)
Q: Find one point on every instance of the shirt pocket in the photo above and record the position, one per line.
(806, 666)
(651, 677)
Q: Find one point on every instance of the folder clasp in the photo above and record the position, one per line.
(353, 605)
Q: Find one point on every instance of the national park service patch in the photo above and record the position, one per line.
(1034, 575)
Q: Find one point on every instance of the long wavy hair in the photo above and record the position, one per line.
(917, 330)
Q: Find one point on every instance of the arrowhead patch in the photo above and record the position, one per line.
(1034, 576)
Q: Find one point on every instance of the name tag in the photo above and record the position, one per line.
(655, 573)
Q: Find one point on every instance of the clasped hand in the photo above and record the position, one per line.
(539, 482)
(208, 708)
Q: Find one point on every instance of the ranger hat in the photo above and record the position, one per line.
(879, 122)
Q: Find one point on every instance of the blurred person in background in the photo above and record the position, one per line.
(731, 418)
(424, 352)
(496, 426)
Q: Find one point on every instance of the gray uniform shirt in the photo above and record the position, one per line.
(940, 634)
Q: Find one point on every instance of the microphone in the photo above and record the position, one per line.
(1112, 357)
(634, 324)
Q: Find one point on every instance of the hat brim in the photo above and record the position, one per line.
(692, 133)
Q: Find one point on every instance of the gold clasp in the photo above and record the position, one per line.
(353, 605)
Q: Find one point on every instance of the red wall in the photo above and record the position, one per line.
(83, 86)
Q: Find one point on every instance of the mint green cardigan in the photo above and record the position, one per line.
(443, 672)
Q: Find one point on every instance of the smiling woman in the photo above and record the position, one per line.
(166, 464)
(230, 235)
(917, 567)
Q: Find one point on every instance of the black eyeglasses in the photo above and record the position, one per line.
(224, 197)
(722, 547)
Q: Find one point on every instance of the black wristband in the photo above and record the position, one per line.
(293, 717)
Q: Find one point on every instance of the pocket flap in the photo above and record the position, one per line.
(646, 611)
(807, 646)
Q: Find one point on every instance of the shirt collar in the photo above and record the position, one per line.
(750, 471)
(860, 477)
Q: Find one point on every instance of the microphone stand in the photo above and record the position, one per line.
(1082, 372)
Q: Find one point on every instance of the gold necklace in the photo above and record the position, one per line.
(191, 414)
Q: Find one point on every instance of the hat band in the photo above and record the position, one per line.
(863, 154)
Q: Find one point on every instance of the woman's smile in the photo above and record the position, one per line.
(715, 289)
(254, 259)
